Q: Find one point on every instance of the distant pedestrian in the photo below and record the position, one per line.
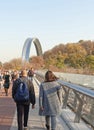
(31, 73)
(50, 99)
(23, 106)
(6, 84)
(13, 75)
(1, 80)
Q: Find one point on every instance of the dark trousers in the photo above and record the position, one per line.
(22, 115)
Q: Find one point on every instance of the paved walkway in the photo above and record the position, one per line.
(8, 118)
(7, 110)
(35, 122)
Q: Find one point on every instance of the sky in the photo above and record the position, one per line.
(51, 21)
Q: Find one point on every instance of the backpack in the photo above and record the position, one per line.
(22, 92)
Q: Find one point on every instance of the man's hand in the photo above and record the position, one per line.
(33, 106)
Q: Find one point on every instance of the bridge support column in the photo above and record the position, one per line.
(79, 109)
(75, 102)
(65, 97)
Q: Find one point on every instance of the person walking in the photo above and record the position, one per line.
(6, 84)
(31, 73)
(50, 99)
(23, 106)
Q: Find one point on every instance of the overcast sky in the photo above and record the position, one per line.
(51, 21)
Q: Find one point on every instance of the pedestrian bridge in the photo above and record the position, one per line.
(77, 104)
(77, 109)
(70, 119)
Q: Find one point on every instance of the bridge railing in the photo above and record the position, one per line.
(80, 99)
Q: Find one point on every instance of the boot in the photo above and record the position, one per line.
(48, 127)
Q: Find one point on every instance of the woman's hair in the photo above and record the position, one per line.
(49, 76)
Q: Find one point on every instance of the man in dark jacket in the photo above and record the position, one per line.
(30, 74)
(23, 107)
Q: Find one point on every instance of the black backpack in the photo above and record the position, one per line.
(22, 92)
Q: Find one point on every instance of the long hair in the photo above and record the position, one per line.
(49, 76)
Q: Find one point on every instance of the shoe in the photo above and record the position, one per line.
(48, 127)
(25, 128)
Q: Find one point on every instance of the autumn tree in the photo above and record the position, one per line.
(36, 62)
(7, 66)
(88, 46)
(1, 65)
(16, 64)
(75, 55)
(90, 61)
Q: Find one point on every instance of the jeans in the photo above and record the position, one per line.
(53, 121)
(22, 115)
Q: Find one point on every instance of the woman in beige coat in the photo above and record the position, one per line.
(50, 99)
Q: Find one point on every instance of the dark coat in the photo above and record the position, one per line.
(6, 81)
(30, 85)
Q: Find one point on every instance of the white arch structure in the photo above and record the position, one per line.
(26, 48)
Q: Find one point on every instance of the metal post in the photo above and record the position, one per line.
(79, 109)
(65, 97)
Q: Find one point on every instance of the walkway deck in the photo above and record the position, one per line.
(8, 119)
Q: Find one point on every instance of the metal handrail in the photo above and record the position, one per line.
(81, 95)
(78, 88)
